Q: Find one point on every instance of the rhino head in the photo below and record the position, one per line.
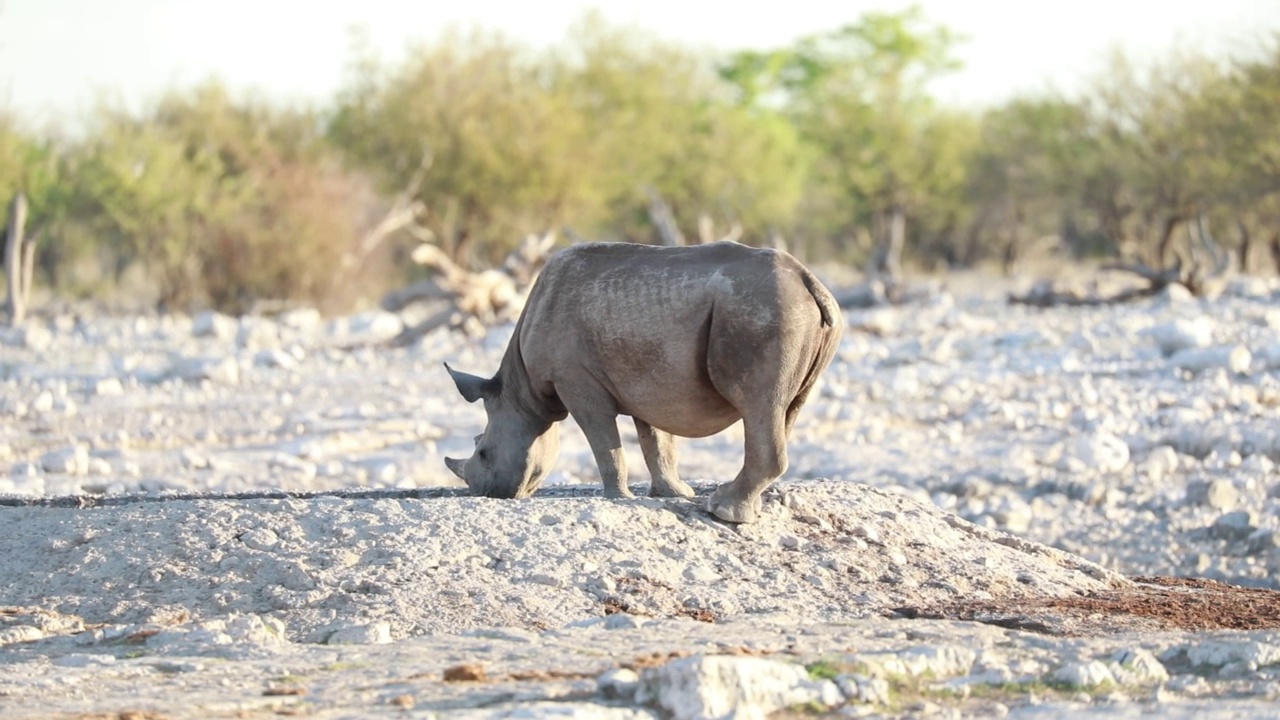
(515, 452)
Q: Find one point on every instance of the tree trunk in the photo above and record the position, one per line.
(460, 251)
(1275, 250)
(1204, 238)
(1166, 241)
(1246, 244)
(1014, 247)
(891, 262)
(29, 266)
(664, 221)
(1009, 257)
(1112, 219)
(13, 260)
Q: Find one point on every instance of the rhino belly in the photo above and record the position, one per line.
(682, 406)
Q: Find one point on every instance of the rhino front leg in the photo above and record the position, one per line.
(606, 445)
(765, 461)
(659, 448)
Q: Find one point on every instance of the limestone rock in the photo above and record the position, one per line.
(262, 539)
(1138, 666)
(375, 326)
(1182, 335)
(238, 636)
(1160, 463)
(275, 358)
(1100, 452)
(1085, 675)
(619, 684)
(257, 333)
(1217, 653)
(33, 336)
(303, 320)
(717, 686)
(865, 689)
(378, 633)
(106, 387)
(1219, 494)
(550, 709)
(212, 324)
(73, 460)
(20, 634)
(223, 370)
(1235, 358)
(1234, 525)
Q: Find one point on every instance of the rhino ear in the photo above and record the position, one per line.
(473, 387)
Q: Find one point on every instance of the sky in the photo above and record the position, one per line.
(57, 57)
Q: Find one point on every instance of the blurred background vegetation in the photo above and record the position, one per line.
(831, 147)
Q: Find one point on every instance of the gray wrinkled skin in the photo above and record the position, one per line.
(685, 340)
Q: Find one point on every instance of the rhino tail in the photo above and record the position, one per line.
(827, 344)
(826, 304)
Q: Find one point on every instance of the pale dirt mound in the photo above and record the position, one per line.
(822, 550)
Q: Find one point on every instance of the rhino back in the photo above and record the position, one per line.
(620, 293)
(635, 321)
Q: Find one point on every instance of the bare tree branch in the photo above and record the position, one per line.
(405, 210)
(475, 299)
(664, 220)
(707, 231)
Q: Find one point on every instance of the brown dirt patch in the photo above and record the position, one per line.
(466, 672)
(1152, 603)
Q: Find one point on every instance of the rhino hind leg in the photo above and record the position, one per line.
(766, 460)
(659, 448)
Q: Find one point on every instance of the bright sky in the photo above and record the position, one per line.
(56, 56)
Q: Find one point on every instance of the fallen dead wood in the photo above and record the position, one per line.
(474, 300)
(664, 221)
(707, 230)
(868, 294)
(882, 291)
(1046, 293)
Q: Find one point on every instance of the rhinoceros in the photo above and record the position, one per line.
(685, 340)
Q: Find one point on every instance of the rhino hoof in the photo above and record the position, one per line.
(724, 504)
(676, 489)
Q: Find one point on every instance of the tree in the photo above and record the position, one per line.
(655, 116)
(501, 147)
(858, 95)
(1155, 151)
(33, 166)
(1242, 150)
(1021, 183)
(523, 141)
(226, 202)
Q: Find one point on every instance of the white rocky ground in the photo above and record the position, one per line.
(1141, 440)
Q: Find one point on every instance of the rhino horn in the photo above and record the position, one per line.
(456, 466)
(472, 387)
